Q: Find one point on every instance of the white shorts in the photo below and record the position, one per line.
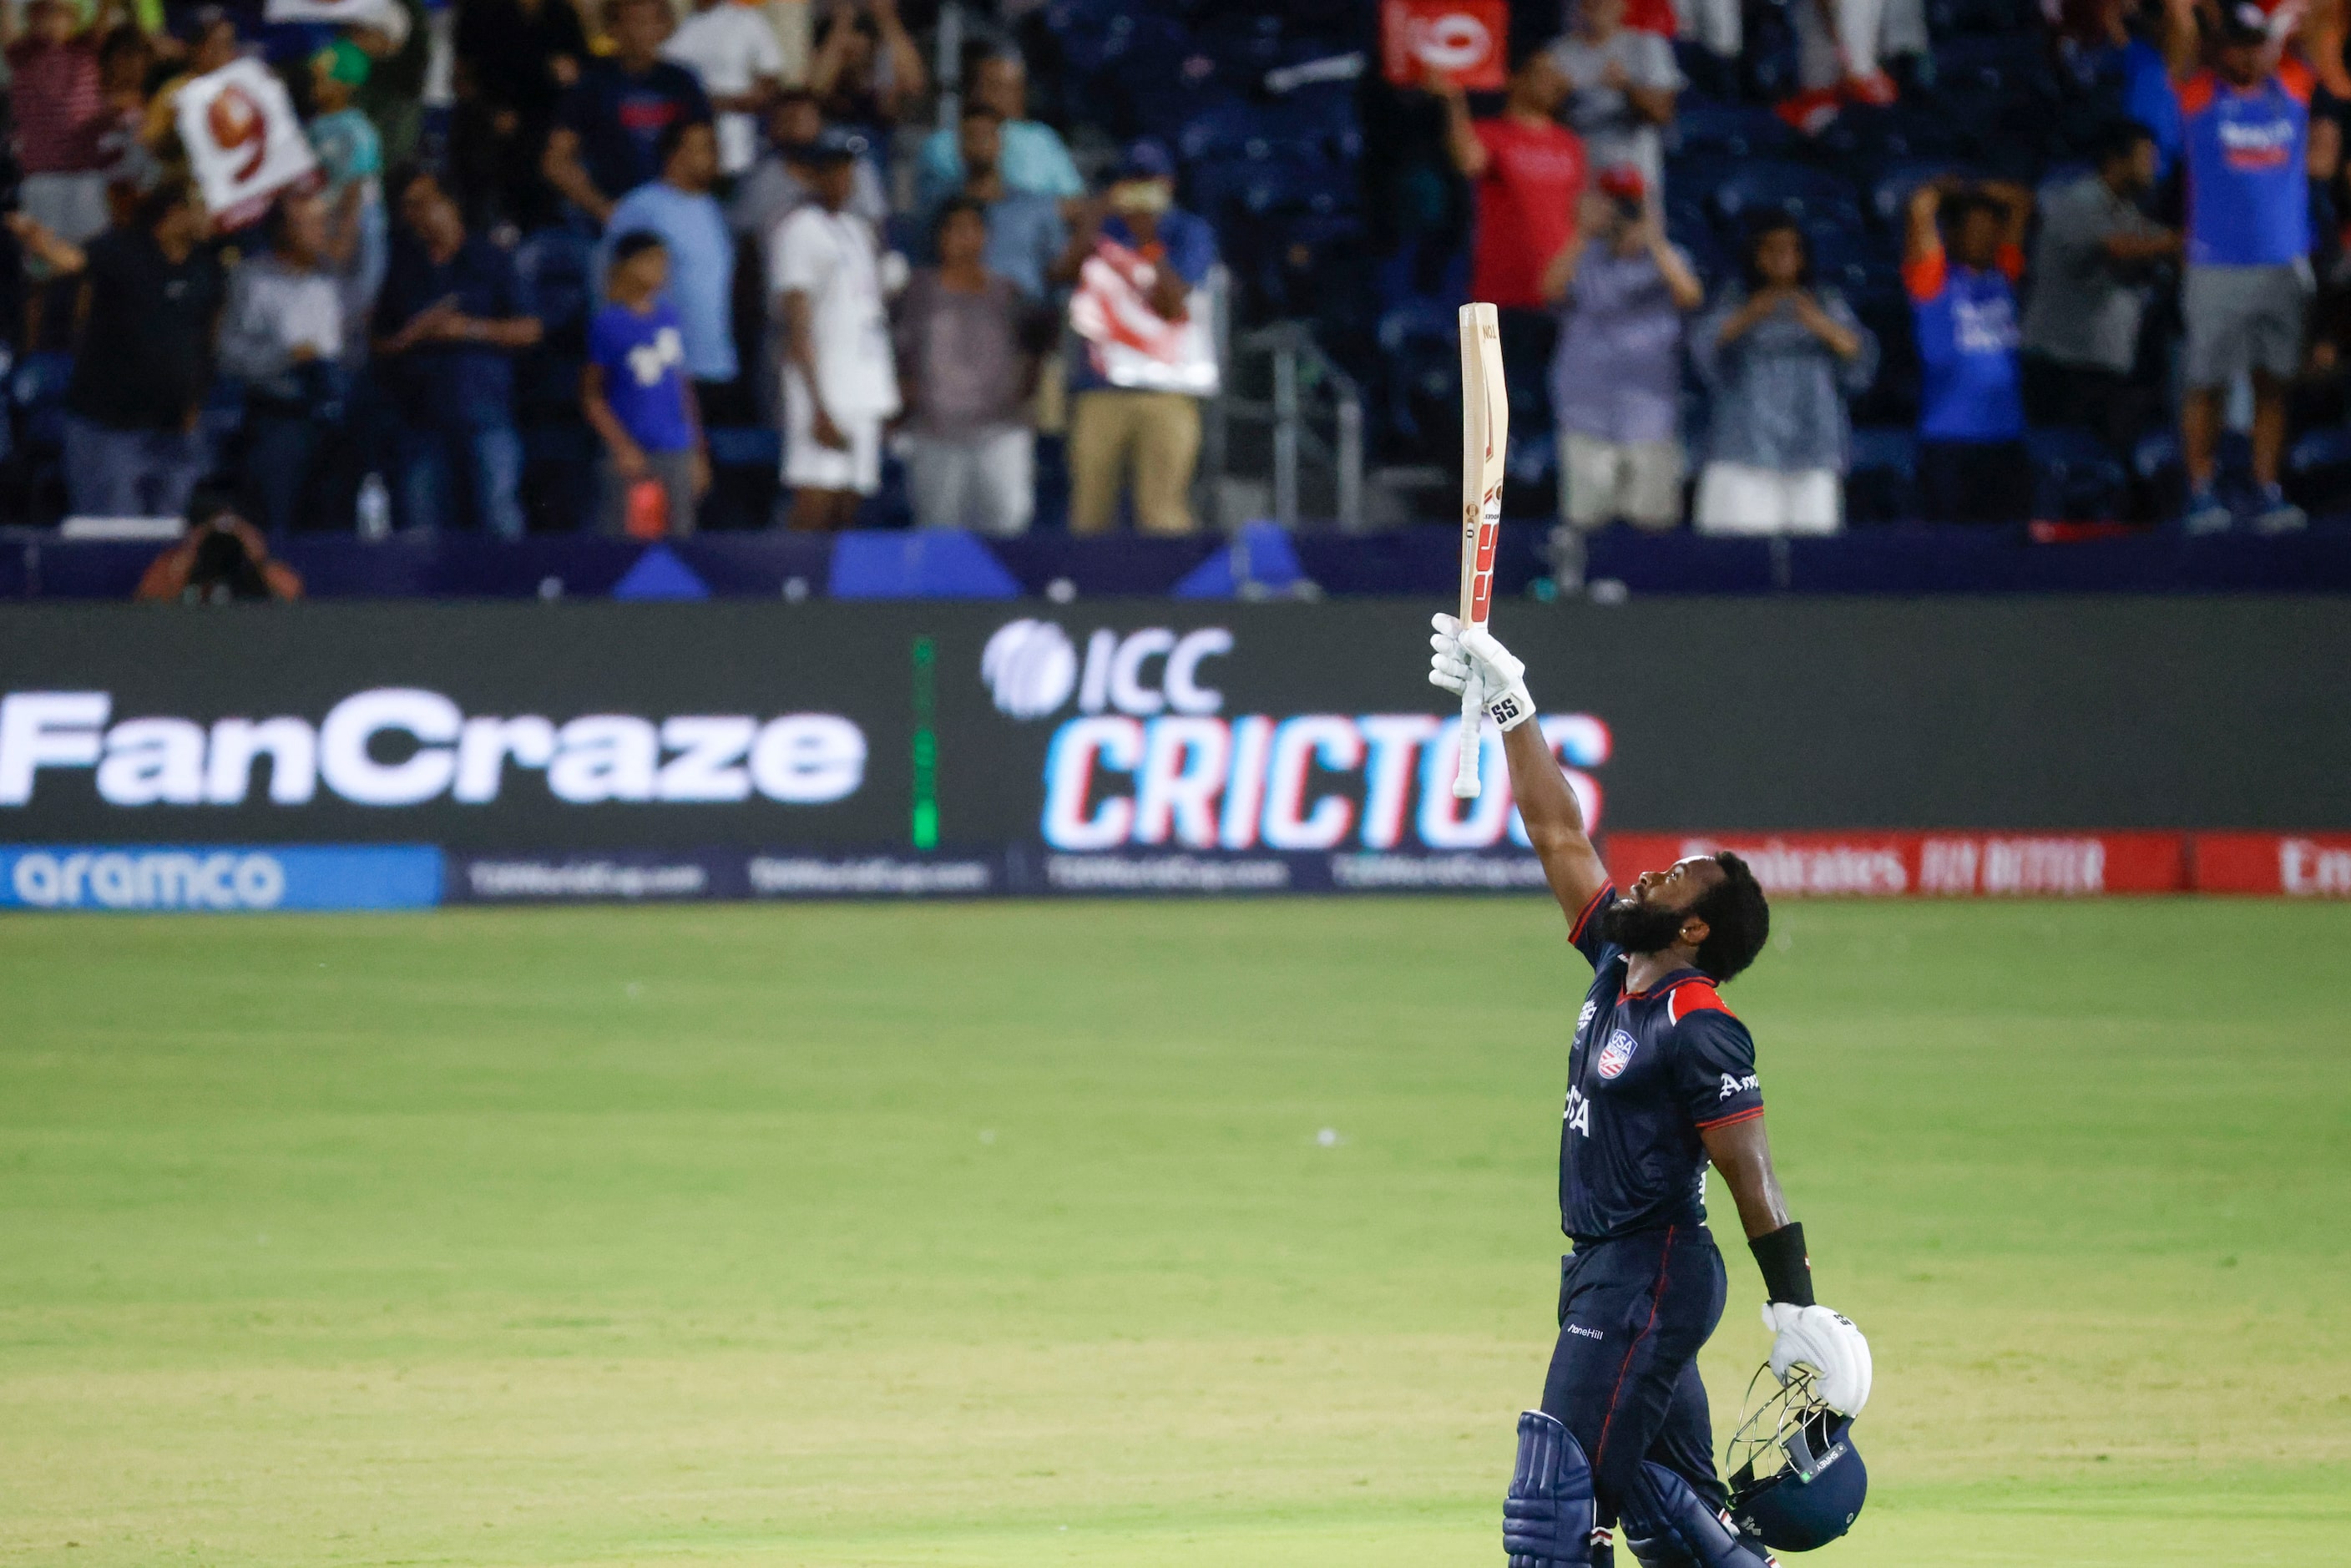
(986, 483)
(809, 467)
(1638, 481)
(1735, 498)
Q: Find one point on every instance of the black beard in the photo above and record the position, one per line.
(1639, 927)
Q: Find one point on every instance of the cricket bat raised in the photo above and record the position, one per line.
(1485, 440)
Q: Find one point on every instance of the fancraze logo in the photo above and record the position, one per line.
(402, 746)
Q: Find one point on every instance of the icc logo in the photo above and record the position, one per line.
(1031, 667)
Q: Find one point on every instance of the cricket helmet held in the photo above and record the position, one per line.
(1797, 1481)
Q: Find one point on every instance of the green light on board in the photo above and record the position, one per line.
(926, 824)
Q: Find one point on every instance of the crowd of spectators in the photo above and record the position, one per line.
(654, 221)
(725, 219)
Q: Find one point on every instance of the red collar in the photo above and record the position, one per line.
(1678, 977)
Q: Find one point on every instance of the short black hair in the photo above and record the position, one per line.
(2117, 142)
(950, 209)
(163, 198)
(1738, 919)
(1769, 224)
(635, 244)
(1964, 203)
(673, 136)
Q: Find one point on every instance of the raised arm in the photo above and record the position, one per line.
(1470, 155)
(2183, 44)
(1546, 802)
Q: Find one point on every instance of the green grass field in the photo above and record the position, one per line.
(1001, 1235)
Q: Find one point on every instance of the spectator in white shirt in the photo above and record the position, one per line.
(840, 384)
(732, 47)
(282, 335)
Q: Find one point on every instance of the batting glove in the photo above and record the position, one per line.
(1828, 1344)
(1463, 655)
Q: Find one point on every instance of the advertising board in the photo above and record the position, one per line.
(732, 749)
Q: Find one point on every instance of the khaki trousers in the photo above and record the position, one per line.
(1159, 433)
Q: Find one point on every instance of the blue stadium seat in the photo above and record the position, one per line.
(2076, 479)
(1800, 190)
(1889, 191)
(1731, 130)
(2005, 66)
(1882, 487)
(1946, 19)
(38, 388)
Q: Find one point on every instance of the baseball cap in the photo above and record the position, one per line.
(1622, 183)
(834, 144)
(1144, 160)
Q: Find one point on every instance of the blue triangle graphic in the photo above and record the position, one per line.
(659, 574)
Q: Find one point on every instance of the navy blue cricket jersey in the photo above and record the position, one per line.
(1648, 1071)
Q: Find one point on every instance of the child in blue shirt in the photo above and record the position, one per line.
(636, 395)
(1972, 463)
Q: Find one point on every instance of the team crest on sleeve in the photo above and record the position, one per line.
(1617, 1054)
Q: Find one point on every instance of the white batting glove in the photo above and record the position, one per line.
(1461, 656)
(1828, 1344)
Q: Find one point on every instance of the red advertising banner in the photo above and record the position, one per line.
(2300, 865)
(1895, 864)
(1468, 40)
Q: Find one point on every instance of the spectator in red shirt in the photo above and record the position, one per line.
(61, 119)
(1528, 172)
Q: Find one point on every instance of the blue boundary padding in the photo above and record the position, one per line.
(929, 563)
(1420, 563)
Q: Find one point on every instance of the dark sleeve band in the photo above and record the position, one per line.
(1787, 1272)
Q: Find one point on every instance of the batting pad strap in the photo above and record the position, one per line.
(1787, 1268)
(1547, 1518)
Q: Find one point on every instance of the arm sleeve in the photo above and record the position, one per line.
(803, 256)
(1193, 251)
(1058, 174)
(1712, 359)
(1653, 64)
(1584, 931)
(603, 350)
(1857, 373)
(1714, 1063)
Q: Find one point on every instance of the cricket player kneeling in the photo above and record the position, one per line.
(1661, 1082)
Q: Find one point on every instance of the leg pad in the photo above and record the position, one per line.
(1547, 1518)
(1667, 1526)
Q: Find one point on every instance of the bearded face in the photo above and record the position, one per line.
(1641, 927)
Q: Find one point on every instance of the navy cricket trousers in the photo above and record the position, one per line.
(1633, 1313)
